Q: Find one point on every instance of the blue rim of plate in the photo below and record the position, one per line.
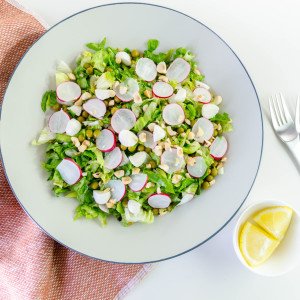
(174, 10)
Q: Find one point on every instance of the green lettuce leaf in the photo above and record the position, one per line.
(61, 77)
(97, 47)
(48, 100)
(45, 136)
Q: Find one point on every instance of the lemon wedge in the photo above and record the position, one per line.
(275, 220)
(256, 245)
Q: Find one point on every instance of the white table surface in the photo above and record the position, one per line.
(265, 36)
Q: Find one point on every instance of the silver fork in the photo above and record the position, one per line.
(284, 125)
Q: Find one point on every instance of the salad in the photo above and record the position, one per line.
(132, 134)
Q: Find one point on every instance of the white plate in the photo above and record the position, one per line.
(130, 25)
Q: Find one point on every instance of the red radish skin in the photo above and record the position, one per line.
(63, 130)
(134, 186)
(112, 136)
(191, 170)
(139, 69)
(104, 208)
(95, 107)
(171, 114)
(113, 159)
(128, 114)
(63, 88)
(162, 202)
(162, 90)
(203, 91)
(75, 165)
(224, 147)
(180, 74)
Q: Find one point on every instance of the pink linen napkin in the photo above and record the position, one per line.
(32, 265)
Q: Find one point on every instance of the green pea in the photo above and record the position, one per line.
(148, 149)
(117, 100)
(209, 178)
(86, 65)
(56, 106)
(113, 110)
(180, 130)
(215, 164)
(81, 138)
(94, 185)
(131, 149)
(96, 133)
(140, 148)
(85, 114)
(215, 132)
(90, 70)
(205, 185)
(208, 171)
(193, 122)
(81, 119)
(220, 131)
(135, 53)
(123, 147)
(89, 133)
(65, 107)
(214, 172)
(153, 164)
(155, 211)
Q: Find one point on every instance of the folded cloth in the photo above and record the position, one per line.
(32, 265)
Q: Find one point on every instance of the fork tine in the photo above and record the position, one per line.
(297, 116)
(276, 112)
(273, 117)
(280, 109)
(286, 110)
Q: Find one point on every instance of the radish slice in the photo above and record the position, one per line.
(162, 90)
(117, 189)
(95, 107)
(179, 97)
(113, 158)
(186, 198)
(202, 84)
(179, 70)
(125, 57)
(58, 121)
(134, 207)
(68, 91)
(219, 147)
(101, 197)
(159, 200)
(203, 130)
(106, 140)
(209, 110)
(104, 94)
(69, 171)
(132, 88)
(146, 69)
(158, 133)
(73, 127)
(104, 208)
(149, 143)
(138, 182)
(172, 160)
(173, 114)
(125, 159)
(202, 95)
(123, 119)
(139, 158)
(199, 168)
(76, 109)
(127, 138)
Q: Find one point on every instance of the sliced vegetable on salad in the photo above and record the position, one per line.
(131, 134)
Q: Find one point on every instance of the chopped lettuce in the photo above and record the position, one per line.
(45, 136)
(105, 81)
(143, 216)
(60, 78)
(48, 100)
(143, 121)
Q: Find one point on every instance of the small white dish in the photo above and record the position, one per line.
(286, 257)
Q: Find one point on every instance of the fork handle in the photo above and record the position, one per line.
(294, 147)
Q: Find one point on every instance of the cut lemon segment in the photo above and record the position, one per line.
(275, 220)
(256, 245)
